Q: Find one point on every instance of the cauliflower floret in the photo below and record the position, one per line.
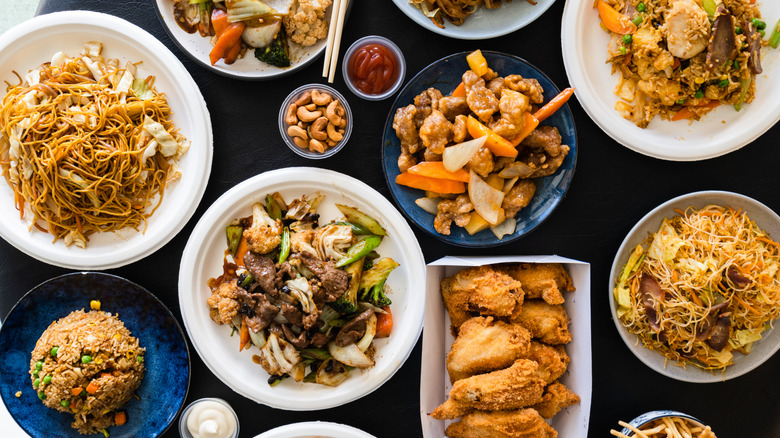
(301, 237)
(306, 23)
(223, 302)
(265, 234)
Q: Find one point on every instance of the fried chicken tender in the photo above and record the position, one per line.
(521, 423)
(546, 322)
(556, 397)
(542, 280)
(552, 360)
(515, 387)
(482, 290)
(485, 345)
(223, 302)
(306, 22)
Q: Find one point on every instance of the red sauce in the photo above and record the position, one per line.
(373, 68)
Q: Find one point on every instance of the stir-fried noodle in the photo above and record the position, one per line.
(707, 285)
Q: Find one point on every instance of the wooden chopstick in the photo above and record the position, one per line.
(334, 56)
(331, 36)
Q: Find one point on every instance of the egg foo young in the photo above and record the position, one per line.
(89, 365)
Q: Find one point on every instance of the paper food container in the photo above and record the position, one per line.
(437, 339)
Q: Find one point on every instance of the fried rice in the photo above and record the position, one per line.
(89, 365)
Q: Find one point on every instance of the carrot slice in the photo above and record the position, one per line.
(688, 113)
(531, 123)
(431, 184)
(92, 387)
(225, 42)
(77, 390)
(219, 21)
(477, 62)
(244, 335)
(384, 323)
(459, 91)
(500, 146)
(435, 169)
(554, 105)
(614, 20)
(241, 251)
(120, 418)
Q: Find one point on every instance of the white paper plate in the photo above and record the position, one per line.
(762, 215)
(202, 259)
(32, 43)
(721, 131)
(485, 23)
(246, 68)
(315, 429)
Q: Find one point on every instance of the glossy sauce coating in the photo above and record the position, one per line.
(373, 68)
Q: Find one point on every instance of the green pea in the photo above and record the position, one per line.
(36, 382)
(738, 30)
(47, 380)
(86, 358)
(681, 101)
(758, 24)
(641, 7)
(140, 359)
(699, 94)
(39, 365)
(627, 39)
(54, 350)
(638, 20)
(42, 395)
(762, 33)
(736, 64)
(622, 50)
(65, 403)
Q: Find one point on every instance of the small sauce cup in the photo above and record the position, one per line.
(397, 77)
(184, 432)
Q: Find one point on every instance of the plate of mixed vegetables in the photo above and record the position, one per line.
(302, 282)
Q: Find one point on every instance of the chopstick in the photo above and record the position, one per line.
(331, 35)
(339, 10)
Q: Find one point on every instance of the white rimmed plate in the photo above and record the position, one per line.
(762, 215)
(721, 131)
(485, 23)
(246, 68)
(203, 256)
(32, 43)
(315, 429)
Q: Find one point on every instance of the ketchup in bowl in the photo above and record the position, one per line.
(374, 67)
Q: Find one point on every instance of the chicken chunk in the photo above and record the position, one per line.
(513, 106)
(496, 85)
(547, 281)
(406, 129)
(556, 397)
(482, 162)
(479, 98)
(485, 345)
(482, 290)
(436, 132)
(512, 388)
(544, 138)
(223, 302)
(529, 87)
(521, 423)
(459, 130)
(540, 162)
(687, 28)
(452, 107)
(306, 23)
(518, 197)
(449, 210)
(426, 102)
(548, 323)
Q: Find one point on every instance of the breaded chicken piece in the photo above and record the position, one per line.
(546, 322)
(480, 290)
(485, 345)
(521, 423)
(547, 281)
(556, 397)
(553, 360)
(515, 387)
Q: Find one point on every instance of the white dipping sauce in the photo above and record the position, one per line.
(210, 419)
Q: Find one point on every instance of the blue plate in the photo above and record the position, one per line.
(167, 376)
(445, 74)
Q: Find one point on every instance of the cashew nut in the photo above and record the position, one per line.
(317, 129)
(333, 133)
(307, 116)
(335, 113)
(291, 118)
(304, 99)
(321, 99)
(311, 107)
(316, 146)
(332, 143)
(296, 131)
(301, 143)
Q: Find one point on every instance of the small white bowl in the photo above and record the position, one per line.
(656, 415)
(203, 256)
(319, 429)
(382, 41)
(762, 350)
(184, 432)
(30, 44)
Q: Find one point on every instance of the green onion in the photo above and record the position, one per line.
(638, 20)
(681, 101)
(709, 7)
(724, 83)
(736, 64)
(744, 84)
(774, 40)
(640, 7)
(699, 94)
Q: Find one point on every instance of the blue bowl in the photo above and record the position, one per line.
(167, 376)
(655, 415)
(445, 74)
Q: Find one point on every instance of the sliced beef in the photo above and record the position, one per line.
(292, 314)
(354, 329)
(301, 340)
(319, 339)
(276, 329)
(263, 313)
(284, 272)
(333, 279)
(263, 270)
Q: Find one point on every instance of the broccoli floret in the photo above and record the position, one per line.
(372, 284)
(347, 302)
(276, 53)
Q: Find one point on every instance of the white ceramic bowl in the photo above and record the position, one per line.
(315, 429)
(32, 43)
(721, 131)
(485, 23)
(656, 415)
(766, 219)
(202, 259)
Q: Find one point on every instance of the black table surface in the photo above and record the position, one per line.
(612, 189)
